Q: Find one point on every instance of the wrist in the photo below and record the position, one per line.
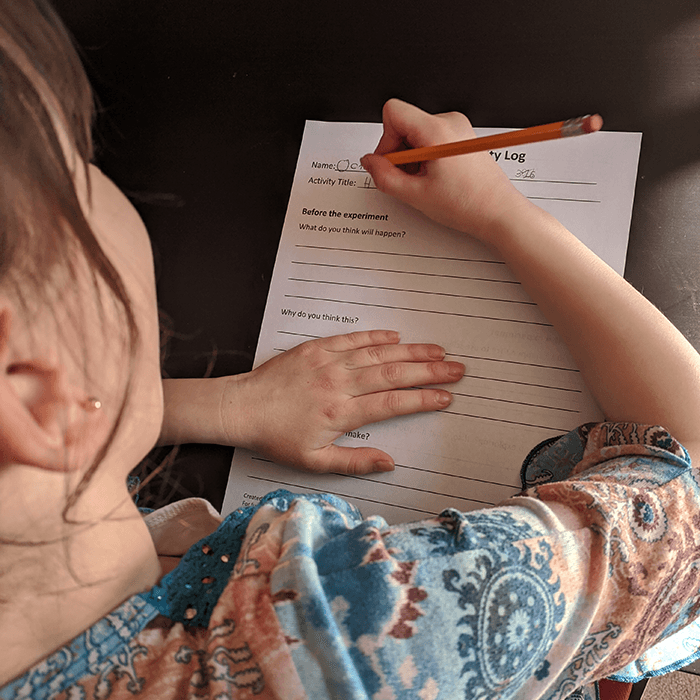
(191, 411)
(513, 219)
(235, 411)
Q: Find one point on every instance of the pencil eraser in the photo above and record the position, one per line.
(592, 123)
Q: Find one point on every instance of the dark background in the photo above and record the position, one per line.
(202, 108)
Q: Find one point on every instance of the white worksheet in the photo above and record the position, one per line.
(351, 258)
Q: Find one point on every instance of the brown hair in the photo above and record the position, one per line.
(45, 97)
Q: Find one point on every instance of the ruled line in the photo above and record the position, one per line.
(455, 476)
(300, 335)
(554, 182)
(427, 311)
(405, 272)
(519, 403)
(513, 362)
(419, 490)
(513, 381)
(413, 291)
(503, 420)
(258, 458)
(567, 199)
(341, 495)
(400, 255)
(305, 487)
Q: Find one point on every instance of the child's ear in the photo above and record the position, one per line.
(37, 406)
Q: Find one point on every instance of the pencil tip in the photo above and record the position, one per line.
(592, 123)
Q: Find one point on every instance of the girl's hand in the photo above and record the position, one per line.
(293, 407)
(469, 193)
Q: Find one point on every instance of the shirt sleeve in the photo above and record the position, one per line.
(637, 497)
(506, 602)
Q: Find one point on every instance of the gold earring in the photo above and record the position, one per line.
(91, 404)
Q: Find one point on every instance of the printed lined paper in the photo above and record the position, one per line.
(351, 258)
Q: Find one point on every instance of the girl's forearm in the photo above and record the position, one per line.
(637, 365)
(192, 411)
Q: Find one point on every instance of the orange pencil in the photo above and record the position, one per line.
(545, 132)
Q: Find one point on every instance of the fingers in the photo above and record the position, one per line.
(368, 348)
(391, 179)
(408, 125)
(351, 460)
(381, 354)
(373, 361)
(404, 125)
(403, 375)
(358, 339)
(372, 408)
(385, 367)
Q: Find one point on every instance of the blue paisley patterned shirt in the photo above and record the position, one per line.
(592, 572)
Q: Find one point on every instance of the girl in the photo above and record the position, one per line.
(572, 581)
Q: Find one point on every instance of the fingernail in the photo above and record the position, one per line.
(443, 398)
(436, 353)
(456, 370)
(383, 465)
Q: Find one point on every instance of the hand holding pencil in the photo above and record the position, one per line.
(467, 194)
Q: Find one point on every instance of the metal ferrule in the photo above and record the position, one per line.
(573, 127)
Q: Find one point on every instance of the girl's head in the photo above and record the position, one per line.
(78, 319)
(68, 329)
